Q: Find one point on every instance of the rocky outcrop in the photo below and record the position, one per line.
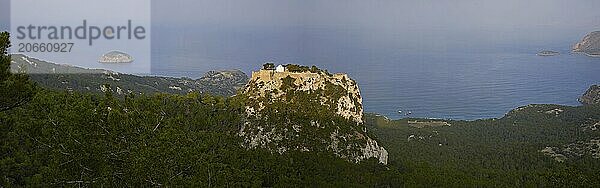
(590, 45)
(591, 96)
(307, 111)
(345, 96)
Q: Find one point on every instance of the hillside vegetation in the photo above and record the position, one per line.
(57, 138)
(532, 146)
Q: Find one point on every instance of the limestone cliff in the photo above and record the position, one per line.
(590, 45)
(307, 110)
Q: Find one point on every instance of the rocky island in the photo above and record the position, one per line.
(115, 57)
(590, 45)
(591, 96)
(547, 53)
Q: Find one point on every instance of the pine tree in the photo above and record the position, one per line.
(15, 89)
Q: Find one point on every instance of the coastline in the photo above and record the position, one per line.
(591, 55)
(586, 54)
(470, 120)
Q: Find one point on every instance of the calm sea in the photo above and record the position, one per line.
(435, 74)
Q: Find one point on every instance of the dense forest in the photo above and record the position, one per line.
(60, 138)
(505, 152)
(53, 138)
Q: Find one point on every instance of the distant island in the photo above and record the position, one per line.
(547, 53)
(115, 57)
(590, 45)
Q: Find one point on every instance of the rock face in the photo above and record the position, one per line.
(307, 110)
(590, 45)
(591, 96)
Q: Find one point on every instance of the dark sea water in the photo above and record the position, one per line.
(435, 74)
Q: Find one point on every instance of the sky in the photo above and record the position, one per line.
(382, 21)
(502, 20)
(390, 14)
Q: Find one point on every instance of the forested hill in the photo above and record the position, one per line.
(70, 78)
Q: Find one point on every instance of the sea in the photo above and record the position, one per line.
(469, 74)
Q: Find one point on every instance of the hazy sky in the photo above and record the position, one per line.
(494, 14)
(381, 14)
(384, 20)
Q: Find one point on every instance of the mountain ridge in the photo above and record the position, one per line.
(71, 78)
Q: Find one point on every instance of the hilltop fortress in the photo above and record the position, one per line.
(349, 103)
(303, 108)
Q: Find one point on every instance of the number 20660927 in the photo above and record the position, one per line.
(45, 47)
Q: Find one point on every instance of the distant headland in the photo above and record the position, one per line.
(590, 45)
